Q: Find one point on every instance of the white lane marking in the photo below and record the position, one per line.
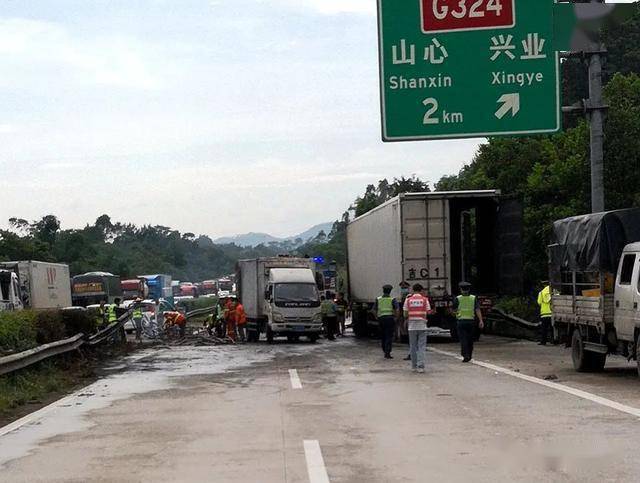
(315, 463)
(552, 385)
(295, 379)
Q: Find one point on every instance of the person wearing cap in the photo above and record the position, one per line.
(385, 309)
(544, 301)
(467, 308)
(416, 307)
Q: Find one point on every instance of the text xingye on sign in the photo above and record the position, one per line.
(467, 68)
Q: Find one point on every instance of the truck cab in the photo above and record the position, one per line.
(10, 293)
(292, 304)
(627, 294)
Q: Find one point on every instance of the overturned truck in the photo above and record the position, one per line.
(595, 281)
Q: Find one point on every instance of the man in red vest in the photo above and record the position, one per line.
(416, 307)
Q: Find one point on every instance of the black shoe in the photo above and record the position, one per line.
(388, 356)
(466, 359)
(542, 343)
(408, 358)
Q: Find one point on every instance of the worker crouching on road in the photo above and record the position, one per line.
(329, 312)
(240, 319)
(416, 307)
(173, 320)
(467, 308)
(386, 310)
(544, 301)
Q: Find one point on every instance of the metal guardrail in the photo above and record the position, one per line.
(198, 312)
(111, 330)
(24, 359)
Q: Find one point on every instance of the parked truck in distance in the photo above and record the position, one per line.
(134, 288)
(225, 287)
(438, 240)
(280, 297)
(34, 285)
(160, 286)
(595, 281)
(93, 287)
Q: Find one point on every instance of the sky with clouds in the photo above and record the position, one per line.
(209, 116)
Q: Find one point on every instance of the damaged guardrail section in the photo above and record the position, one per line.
(29, 357)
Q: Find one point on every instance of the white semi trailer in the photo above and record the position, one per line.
(280, 297)
(438, 240)
(35, 285)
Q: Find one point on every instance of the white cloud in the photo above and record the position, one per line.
(114, 61)
(333, 7)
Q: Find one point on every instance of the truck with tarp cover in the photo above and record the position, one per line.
(436, 239)
(94, 287)
(595, 281)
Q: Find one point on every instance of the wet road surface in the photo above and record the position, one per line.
(335, 412)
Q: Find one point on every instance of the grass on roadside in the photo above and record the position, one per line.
(32, 386)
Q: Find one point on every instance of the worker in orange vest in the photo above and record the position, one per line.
(230, 318)
(175, 319)
(241, 320)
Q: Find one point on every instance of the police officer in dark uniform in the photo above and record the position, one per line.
(467, 308)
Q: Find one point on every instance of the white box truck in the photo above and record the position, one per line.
(280, 297)
(595, 281)
(438, 240)
(40, 285)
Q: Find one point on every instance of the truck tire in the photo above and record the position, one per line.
(585, 361)
(253, 336)
(313, 338)
(269, 335)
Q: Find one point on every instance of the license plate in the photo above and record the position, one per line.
(299, 328)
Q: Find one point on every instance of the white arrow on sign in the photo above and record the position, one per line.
(510, 102)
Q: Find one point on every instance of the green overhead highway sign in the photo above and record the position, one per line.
(467, 68)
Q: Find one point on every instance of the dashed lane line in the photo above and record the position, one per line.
(315, 462)
(295, 379)
(552, 385)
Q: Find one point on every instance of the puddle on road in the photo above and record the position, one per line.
(150, 370)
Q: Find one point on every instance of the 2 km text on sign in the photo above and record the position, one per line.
(467, 68)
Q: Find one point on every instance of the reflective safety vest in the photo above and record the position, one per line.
(328, 308)
(385, 306)
(137, 312)
(111, 313)
(466, 307)
(544, 301)
(418, 306)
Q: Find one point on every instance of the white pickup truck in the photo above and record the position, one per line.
(595, 279)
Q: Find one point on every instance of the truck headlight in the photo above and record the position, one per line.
(277, 317)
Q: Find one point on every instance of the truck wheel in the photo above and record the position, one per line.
(596, 361)
(313, 338)
(579, 356)
(254, 336)
(269, 335)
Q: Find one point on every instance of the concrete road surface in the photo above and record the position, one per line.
(337, 412)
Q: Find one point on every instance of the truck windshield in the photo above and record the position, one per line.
(296, 293)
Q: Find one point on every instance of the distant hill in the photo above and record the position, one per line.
(255, 239)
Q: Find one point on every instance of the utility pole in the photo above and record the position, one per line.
(595, 113)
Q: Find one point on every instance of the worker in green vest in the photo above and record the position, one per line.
(544, 301)
(467, 308)
(386, 310)
(137, 317)
(101, 316)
